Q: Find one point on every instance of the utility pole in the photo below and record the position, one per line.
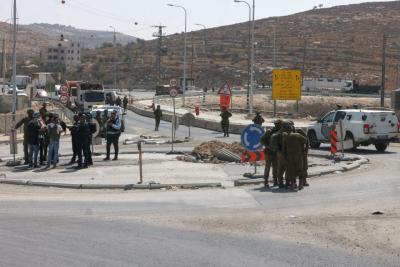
(383, 70)
(252, 59)
(14, 73)
(191, 67)
(159, 35)
(3, 63)
(274, 64)
(115, 59)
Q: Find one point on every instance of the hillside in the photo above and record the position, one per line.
(29, 42)
(89, 38)
(342, 42)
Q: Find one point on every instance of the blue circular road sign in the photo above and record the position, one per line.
(251, 137)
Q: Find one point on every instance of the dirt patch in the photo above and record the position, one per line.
(309, 106)
(207, 151)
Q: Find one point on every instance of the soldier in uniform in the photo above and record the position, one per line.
(83, 134)
(225, 115)
(74, 138)
(157, 117)
(276, 145)
(303, 177)
(270, 155)
(293, 150)
(125, 102)
(258, 119)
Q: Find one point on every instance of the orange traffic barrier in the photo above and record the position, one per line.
(253, 156)
(333, 139)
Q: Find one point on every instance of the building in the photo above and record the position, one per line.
(64, 52)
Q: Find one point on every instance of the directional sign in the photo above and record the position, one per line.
(173, 92)
(225, 89)
(251, 137)
(286, 85)
(188, 119)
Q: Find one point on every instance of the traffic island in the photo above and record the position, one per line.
(320, 164)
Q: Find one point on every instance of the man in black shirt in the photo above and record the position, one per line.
(25, 121)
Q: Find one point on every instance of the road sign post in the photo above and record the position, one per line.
(250, 139)
(173, 93)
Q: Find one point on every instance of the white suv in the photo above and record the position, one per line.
(360, 127)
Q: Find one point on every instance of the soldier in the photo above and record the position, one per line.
(225, 115)
(276, 145)
(113, 133)
(303, 177)
(83, 144)
(25, 121)
(74, 138)
(293, 150)
(270, 154)
(258, 119)
(157, 117)
(125, 102)
(118, 101)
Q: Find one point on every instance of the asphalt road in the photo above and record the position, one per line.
(54, 227)
(39, 240)
(51, 227)
(136, 124)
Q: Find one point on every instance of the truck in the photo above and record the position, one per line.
(328, 84)
(88, 95)
(360, 127)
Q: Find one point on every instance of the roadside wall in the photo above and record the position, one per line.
(200, 123)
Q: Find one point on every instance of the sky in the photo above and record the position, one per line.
(122, 14)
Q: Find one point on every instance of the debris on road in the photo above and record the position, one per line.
(214, 152)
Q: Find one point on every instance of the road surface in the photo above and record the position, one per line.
(327, 224)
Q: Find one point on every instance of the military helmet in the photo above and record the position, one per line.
(278, 122)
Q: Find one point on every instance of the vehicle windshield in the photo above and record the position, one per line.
(92, 96)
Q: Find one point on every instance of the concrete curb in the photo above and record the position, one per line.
(150, 186)
(354, 165)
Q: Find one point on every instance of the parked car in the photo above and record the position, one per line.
(361, 127)
(19, 92)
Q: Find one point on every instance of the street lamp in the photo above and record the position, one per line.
(184, 53)
(115, 60)
(4, 58)
(205, 34)
(250, 61)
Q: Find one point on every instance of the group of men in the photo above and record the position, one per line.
(286, 152)
(42, 132)
(82, 132)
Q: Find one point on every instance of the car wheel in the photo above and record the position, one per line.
(381, 147)
(349, 136)
(312, 139)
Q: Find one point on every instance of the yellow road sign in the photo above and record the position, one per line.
(286, 85)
